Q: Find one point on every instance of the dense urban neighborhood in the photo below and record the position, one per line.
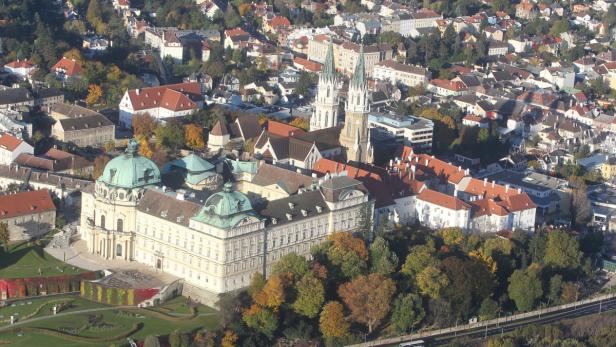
(307, 173)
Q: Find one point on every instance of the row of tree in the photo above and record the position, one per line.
(407, 279)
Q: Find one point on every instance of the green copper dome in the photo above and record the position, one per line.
(130, 170)
(225, 209)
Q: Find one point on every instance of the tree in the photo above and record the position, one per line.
(273, 293)
(348, 253)
(525, 288)
(143, 125)
(175, 338)
(145, 149)
(470, 282)
(488, 309)
(194, 136)
(382, 260)
(261, 319)
(37, 137)
(151, 341)
(431, 282)
(257, 282)
(368, 298)
(569, 292)
(95, 93)
(4, 235)
(556, 286)
(452, 236)
(293, 265)
(301, 123)
(310, 296)
(304, 83)
(562, 250)
(231, 18)
(73, 53)
(408, 312)
(109, 146)
(419, 258)
(94, 14)
(332, 322)
(170, 136)
(228, 339)
(99, 166)
(581, 209)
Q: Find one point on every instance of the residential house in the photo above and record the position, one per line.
(21, 68)
(28, 215)
(11, 147)
(67, 68)
(408, 75)
(81, 126)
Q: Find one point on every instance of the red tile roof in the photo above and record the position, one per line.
(20, 64)
(25, 203)
(282, 129)
(307, 65)
(444, 200)
(235, 32)
(279, 21)
(70, 67)
(9, 142)
(175, 97)
(447, 84)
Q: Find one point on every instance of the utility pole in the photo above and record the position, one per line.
(485, 336)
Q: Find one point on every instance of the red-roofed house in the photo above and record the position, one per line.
(307, 65)
(235, 37)
(11, 147)
(27, 214)
(446, 87)
(169, 101)
(67, 68)
(276, 24)
(20, 68)
(438, 210)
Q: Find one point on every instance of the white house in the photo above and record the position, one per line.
(20, 68)
(11, 147)
(169, 101)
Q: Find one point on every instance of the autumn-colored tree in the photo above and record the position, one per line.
(319, 270)
(4, 235)
(99, 166)
(143, 125)
(228, 339)
(244, 8)
(301, 123)
(569, 292)
(145, 148)
(310, 296)
(262, 119)
(257, 282)
(431, 282)
(347, 252)
(193, 134)
(95, 93)
(273, 293)
(486, 259)
(261, 319)
(109, 146)
(73, 53)
(332, 321)
(368, 298)
(452, 236)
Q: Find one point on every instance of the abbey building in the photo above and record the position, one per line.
(214, 239)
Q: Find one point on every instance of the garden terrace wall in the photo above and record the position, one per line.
(115, 296)
(16, 288)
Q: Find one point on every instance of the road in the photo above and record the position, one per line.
(482, 332)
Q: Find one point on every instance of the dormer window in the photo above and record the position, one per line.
(319, 208)
(289, 216)
(274, 220)
(304, 213)
(291, 205)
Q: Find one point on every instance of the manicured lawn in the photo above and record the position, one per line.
(43, 306)
(25, 260)
(179, 305)
(107, 323)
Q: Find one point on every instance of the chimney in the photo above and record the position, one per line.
(413, 168)
(180, 195)
(493, 182)
(485, 182)
(137, 91)
(506, 188)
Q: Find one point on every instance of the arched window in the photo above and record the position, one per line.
(120, 225)
(328, 92)
(103, 221)
(358, 100)
(118, 250)
(326, 117)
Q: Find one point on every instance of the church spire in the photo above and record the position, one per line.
(329, 71)
(359, 76)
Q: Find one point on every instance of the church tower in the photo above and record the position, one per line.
(325, 113)
(354, 137)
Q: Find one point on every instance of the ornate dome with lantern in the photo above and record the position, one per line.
(126, 176)
(227, 209)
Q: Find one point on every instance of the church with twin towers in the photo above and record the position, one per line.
(354, 136)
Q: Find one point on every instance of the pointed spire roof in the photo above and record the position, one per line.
(359, 76)
(328, 69)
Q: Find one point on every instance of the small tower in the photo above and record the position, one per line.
(325, 113)
(354, 136)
